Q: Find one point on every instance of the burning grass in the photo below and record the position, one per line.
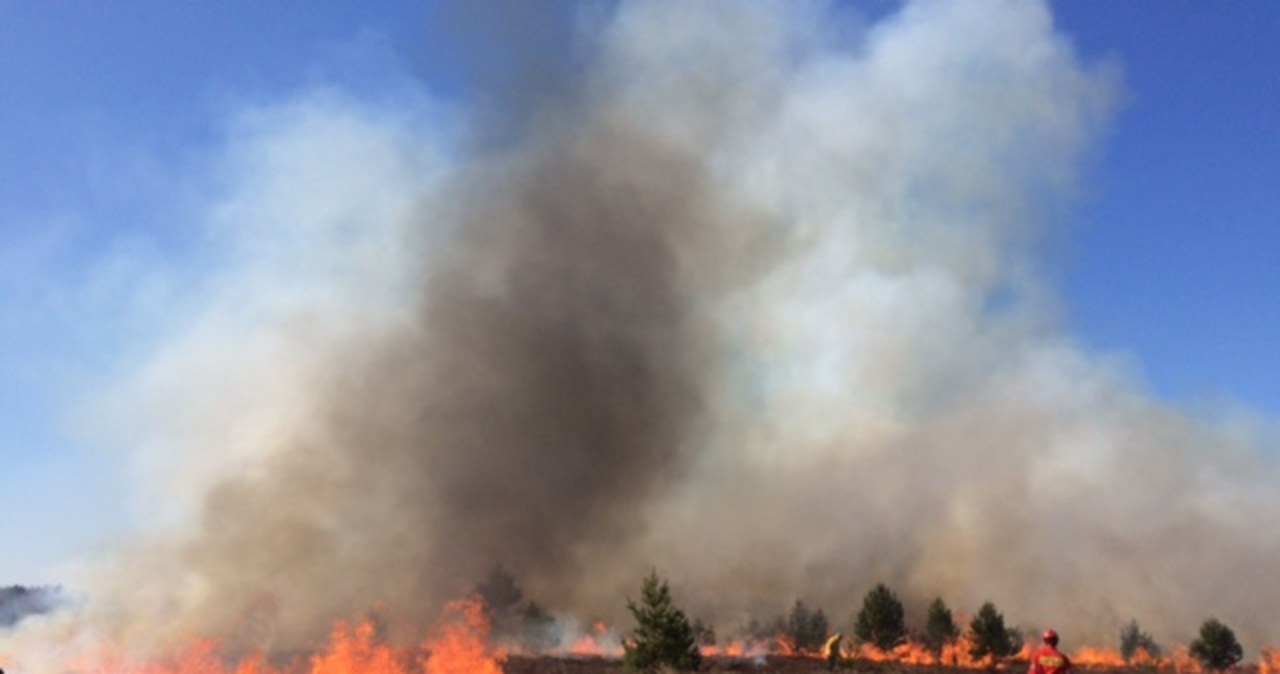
(461, 643)
(458, 645)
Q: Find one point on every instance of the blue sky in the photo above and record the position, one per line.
(108, 112)
(1175, 253)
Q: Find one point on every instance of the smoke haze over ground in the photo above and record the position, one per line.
(755, 302)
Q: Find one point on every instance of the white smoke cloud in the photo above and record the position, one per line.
(888, 395)
(307, 226)
(916, 415)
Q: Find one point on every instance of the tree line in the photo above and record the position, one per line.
(665, 636)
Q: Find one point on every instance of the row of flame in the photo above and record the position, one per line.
(460, 644)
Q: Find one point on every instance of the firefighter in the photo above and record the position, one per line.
(831, 650)
(1048, 659)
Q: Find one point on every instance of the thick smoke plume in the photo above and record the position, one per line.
(755, 302)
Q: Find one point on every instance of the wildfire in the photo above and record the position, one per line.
(461, 645)
(1184, 663)
(356, 650)
(599, 642)
(1143, 658)
(737, 649)
(786, 645)
(1097, 657)
(910, 654)
(959, 653)
(1269, 661)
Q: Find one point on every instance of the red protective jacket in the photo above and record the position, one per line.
(1049, 660)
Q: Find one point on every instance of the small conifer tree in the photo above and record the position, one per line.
(1133, 639)
(663, 635)
(1217, 648)
(818, 628)
(990, 637)
(704, 634)
(939, 627)
(798, 625)
(806, 629)
(881, 620)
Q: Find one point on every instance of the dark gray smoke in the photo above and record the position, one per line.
(548, 385)
(559, 370)
(547, 391)
(18, 602)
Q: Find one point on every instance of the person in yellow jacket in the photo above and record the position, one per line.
(831, 650)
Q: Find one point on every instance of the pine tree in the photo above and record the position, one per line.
(807, 629)
(939, 627)
(1133, 639)
(704, 634)
(990, 636)
(1217, 648)
(818, 628)
(663, 635)
(881, 620)
(798, 625)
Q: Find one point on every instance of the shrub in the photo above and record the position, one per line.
(1217, 648)
(881, 622)
(990, 636)
(1133, 639)
(939, 627)
(663, 635)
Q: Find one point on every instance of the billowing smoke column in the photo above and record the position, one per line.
(754, 302)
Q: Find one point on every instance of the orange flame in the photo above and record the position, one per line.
(1097, 657)
(786, 645)
(255, 665)
(907, 654)
(958, 653)
(737, 649)
(1183, 663)
(1269, 661)
(731, 650)
(597, 643)
(586, 645)
(461, 645)
(355, 650)
(1143, 658)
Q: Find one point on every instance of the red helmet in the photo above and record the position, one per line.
(1051, 637)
